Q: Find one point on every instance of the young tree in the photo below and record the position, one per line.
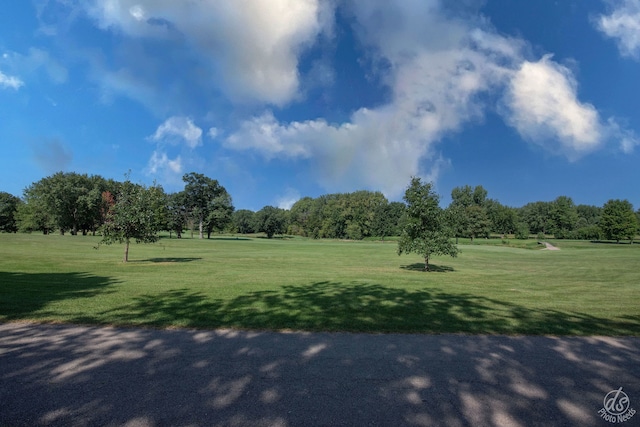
(425, 231)
(618, 221)
(136, 213)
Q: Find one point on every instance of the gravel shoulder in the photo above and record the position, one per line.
(66, 375)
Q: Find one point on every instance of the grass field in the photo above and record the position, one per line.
(299, 284)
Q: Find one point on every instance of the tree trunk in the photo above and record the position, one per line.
(126, 251)
(200, 226)
(426, 263)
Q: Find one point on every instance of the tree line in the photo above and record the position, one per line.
(78, 203)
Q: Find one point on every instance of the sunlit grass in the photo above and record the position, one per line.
(584, 288)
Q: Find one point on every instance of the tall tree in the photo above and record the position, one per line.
(504, 220)
(177, 213)
(563, 217)
(8, 208)
(468, 212)
(200, 192)
(478, 224)
(219, 214)
(425, 231)
(136, 214)
(618, 221)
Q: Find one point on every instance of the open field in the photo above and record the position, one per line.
(299, 284)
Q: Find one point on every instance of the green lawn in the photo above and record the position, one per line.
(300, 284)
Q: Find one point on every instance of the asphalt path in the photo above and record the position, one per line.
(102, 376)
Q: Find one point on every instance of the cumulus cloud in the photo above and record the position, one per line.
(436, 68)
(10, 82)
(543, 106)
(623, 25)
(250, 47)
(290, 197)
(160, 163)
(178, 129)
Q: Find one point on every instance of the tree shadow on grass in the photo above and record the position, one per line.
(22, 295)
(432, 268)
(166, 260)
(358, 307)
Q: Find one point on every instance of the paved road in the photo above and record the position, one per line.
(89, 376)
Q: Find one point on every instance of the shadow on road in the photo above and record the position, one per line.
(67, 375)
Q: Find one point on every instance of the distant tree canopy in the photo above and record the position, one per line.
(73, 203)
(8, 209)
(346, 216)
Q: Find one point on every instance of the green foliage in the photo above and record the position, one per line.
(271, 220)
(618, 221)
(589, 232)
(502, 219)
(590, 215)
(137, 213)
(220, 211)
(8, 209)
(204, 195)
(563, 217)
(425, 231)
(177, 213)
(356, 215)
(72, 202)
(243, 221)
(522, 231)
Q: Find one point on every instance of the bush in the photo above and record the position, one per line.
(522, 231)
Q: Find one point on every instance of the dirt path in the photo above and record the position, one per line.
(61, 375)
(549, 246)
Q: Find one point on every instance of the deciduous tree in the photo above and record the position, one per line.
(200, 193)
(8, 208)
(271, 220)
(425, 231)
(618, 221)
(135, 214)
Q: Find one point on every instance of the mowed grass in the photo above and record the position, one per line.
(300, 284)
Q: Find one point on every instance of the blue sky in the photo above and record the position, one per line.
(281, 99)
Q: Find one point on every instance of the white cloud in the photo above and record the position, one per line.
(623, 25)
(250, 47)
(178, 129)
(627, 139)
(10, 82)
(160, 163)
(213, 132)
(543, 106)
(290, 197)
(436, 69)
